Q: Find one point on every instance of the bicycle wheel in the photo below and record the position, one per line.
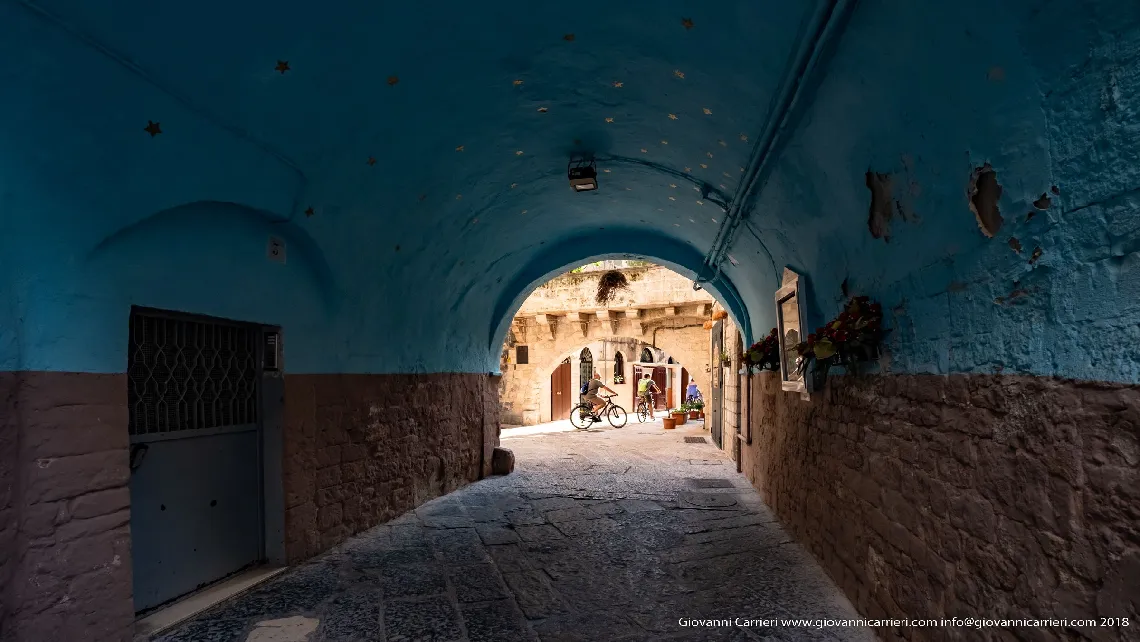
(580, 416)
(616, 416)
(642, 412)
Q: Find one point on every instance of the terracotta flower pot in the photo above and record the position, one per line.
(693, 414)
(679, 417)
(669, 422)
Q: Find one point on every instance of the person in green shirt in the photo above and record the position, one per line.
(645, 389)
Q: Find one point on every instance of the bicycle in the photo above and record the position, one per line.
(582, 416)
(645, 411)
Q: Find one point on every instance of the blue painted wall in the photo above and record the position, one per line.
(411, 264)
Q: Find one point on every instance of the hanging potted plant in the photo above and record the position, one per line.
(725, 360)
(850, 339)
(764, 354)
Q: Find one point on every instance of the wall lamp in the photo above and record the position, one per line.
(583, 174)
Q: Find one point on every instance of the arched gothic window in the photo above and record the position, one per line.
(646, 355)
(586, 361)
(619, 368)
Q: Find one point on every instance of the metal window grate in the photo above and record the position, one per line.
(190, 375)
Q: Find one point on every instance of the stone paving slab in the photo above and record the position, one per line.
(609, 536)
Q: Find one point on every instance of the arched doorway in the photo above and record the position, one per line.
(561, 394)
(619, 368)
(586, 365)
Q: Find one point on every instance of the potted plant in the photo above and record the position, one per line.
(725, 360)
(851, 338)
(764, 354)
(669, 422)
(678, 415)
(696, 409)
(618, 379)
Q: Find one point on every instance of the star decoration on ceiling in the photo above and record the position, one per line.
(514, 185)
(459, 149)
(672, 116)
(542, 110)
(744, 138)
(722, 143)
(371, 161)
(708, 112)
(709, 154)
(664, 142)
(644, 151)
(703, 166)
(619, 84)
(696, 189)
(606, 171)
(282, 66)
(152, 128)
(673, 185)
(393, 80)
(678, 73)
(700, 203)
(518, 82)
(672, 198)
(687, 23)
(310, 211)
(568, 37)
(609, 119)
(519, 153)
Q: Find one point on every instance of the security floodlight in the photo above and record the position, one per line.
(583, 174)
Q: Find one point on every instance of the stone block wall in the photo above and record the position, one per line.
(649, 286)
(65, 508)
(362, 449)
(929, 496)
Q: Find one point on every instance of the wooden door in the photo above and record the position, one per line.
(684, 385)
(637, 375)
(561, 396)
(659, 401)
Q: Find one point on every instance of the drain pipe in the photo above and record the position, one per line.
(823, 29)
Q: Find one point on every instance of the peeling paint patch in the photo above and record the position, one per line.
(984, 193)
(1037, 252)
(1015, 244)
(881, 211)
(1043, 202)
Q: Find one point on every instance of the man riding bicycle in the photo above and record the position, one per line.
(644, 392)
(592, 392)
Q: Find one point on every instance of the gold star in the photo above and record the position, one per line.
(518, 82)
(609, 120)
(672, 198)
(700, 203)
(519, 153)
(687, 23)
(514, 185)
(152, 128)
(309, 212)
(696, 189)
(644, 151)
(282, 66)
(708, 112)
(393, 80)
(664, 142)
(709, 154)
(542, 110)
(371, 161)
(672, 116)
(703, 166)
(459, 149)
(606, 171)
(673, 185)
(568, 37)
(619, 84)
(744, 138)
(722, 143)
(679, 74)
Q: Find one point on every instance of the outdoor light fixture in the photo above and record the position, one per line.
(583, 174)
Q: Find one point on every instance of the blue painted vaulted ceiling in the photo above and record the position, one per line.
(413, 160)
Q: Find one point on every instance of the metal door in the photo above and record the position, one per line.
(560, 392)
(196, 509)
(716, 403)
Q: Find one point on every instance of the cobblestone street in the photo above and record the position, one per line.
(599, 535)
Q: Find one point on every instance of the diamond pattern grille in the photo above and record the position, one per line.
(188, 375)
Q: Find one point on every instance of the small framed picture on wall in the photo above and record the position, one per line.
(791, 321)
